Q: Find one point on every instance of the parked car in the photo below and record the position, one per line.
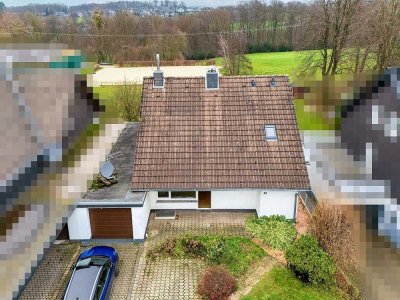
(93, 274)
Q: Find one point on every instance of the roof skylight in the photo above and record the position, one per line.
(270, 133)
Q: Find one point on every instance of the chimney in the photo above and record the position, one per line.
(212, 79)
(158, 75)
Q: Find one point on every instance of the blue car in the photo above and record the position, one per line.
(93, 274)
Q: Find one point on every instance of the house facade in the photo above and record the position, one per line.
(212, 142)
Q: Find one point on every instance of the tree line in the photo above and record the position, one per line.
(347, 35)
(128, 37)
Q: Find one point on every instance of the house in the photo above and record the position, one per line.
(211, 142)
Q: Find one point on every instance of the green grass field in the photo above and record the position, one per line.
(286, 63)
(278, 63)
(281, 284)
(274, 63)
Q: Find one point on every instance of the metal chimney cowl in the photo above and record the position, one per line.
(158, 75)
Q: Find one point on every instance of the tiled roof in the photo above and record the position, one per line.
(193, 138)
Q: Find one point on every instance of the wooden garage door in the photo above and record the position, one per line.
(111, 223)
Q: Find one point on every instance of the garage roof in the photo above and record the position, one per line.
(193, 138)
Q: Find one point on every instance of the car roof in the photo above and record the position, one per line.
(99, 251)
(82, 283)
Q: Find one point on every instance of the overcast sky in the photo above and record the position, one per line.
(75, 2)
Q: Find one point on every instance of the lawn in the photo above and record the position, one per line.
(274, 63)
(105, 93)
(281, 284)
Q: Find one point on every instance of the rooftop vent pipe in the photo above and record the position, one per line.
(158, 61)
(273, 82)
(158, 75)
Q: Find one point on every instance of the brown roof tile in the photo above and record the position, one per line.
(193, 138)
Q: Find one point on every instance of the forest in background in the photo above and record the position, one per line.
(349, 36)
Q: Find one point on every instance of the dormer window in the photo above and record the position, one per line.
(270, 133)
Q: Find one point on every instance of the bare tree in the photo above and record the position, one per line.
(233, 49)
(328, 29)
(126, 99)
(386, 29)
(277, 12)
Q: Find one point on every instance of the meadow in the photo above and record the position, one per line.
(274, 63)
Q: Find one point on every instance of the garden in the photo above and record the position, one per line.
(307, 266)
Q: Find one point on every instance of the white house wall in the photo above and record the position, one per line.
(79, 225)
(266, 203)
(234, 199)
(140, 218)
(168, 204)
(278, 203)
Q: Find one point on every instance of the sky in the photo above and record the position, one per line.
(210, 3)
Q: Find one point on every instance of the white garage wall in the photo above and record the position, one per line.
(234, 199)
(140, 218)
(278, 203)
(79, 225)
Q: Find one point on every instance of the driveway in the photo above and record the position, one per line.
(139, 278)
(51, 276)
(177, 279)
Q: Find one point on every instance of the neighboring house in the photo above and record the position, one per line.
(220, 143)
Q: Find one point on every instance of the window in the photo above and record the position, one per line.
(102, 281)
(270, 133)
(177, 196)
(163, 194)
(184, 194)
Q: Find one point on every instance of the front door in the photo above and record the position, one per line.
(204, 199)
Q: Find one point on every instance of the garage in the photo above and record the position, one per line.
(111, 223)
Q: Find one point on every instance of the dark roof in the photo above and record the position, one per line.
(193, 138)
(122, 154)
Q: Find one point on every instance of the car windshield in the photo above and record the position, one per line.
(92, 261)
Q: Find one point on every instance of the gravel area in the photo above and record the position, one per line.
(115, 75)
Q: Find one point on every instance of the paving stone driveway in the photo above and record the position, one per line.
(48, 280)
(176, 279)
(139, 278)
(51, 276)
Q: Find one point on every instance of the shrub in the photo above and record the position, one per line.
(216, 283)
(126, 98)
(212, 248)
(332, 230)
(193, 247)
(309, 261)
(167, 248)
(276, 231)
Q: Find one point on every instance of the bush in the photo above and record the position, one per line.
(168, 248)
(276, 231)
(332, 230)
(216, 283)
(309, 261)
(329, 225)
(127, 98)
